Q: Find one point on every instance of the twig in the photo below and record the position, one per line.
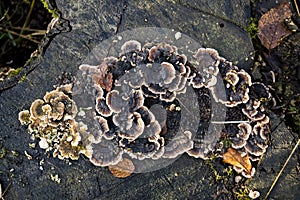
(4, 15)
(28, 29)
(18, 34)
(27, 17)
(228, 122)
(280, 172)
(5, 191)
(297, 9)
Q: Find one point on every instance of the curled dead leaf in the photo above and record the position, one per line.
(271, 26)
(104, 78)
(233, 157)
(123, 169)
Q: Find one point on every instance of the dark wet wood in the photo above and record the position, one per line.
(92, 22)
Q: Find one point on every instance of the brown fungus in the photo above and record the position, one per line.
(197, 80)
(237, 88)
(36, 111)
(260, 92)
(68, 146)
(137, 79)
(101, 74)
(52, 121)
(153, 129)
(24, 117)
(146, 115)
(66, 89)
(168, 96)
(154, 54)
(136, 100)
(143, 148)
(232, 79)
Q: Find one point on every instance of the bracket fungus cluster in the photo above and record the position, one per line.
(245, 104)
(51, 120)
(123, 122)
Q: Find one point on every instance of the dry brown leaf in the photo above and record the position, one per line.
(271, 27)
(233, 157)
(123, 169)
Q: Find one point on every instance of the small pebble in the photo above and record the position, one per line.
(177, 35)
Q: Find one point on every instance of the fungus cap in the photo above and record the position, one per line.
(132, 128)
(36, 111)
(24, 117)
(105, 154)
(206, 57)
(102, 108)
(130, 46)
(180, 144)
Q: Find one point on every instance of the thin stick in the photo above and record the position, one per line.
(5, 191)
(26, 22)
(297, 9)
(27, 29)
(280, 172)
(4, 15)
(228, 122)
(28, 17)
(20, 36)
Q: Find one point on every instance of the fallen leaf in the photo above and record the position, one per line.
(233, 157)
(123, 169)
(104, 78)
(271, 26)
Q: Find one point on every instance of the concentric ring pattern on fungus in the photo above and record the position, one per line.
(151, 103)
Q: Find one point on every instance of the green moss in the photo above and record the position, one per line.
(227, 142)
(2, 152)
(229, 171)
(23, 78)
(226, 176)
(215, 172)
(14, 72)
(53, 12)
(252, 28)
(242, 194)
